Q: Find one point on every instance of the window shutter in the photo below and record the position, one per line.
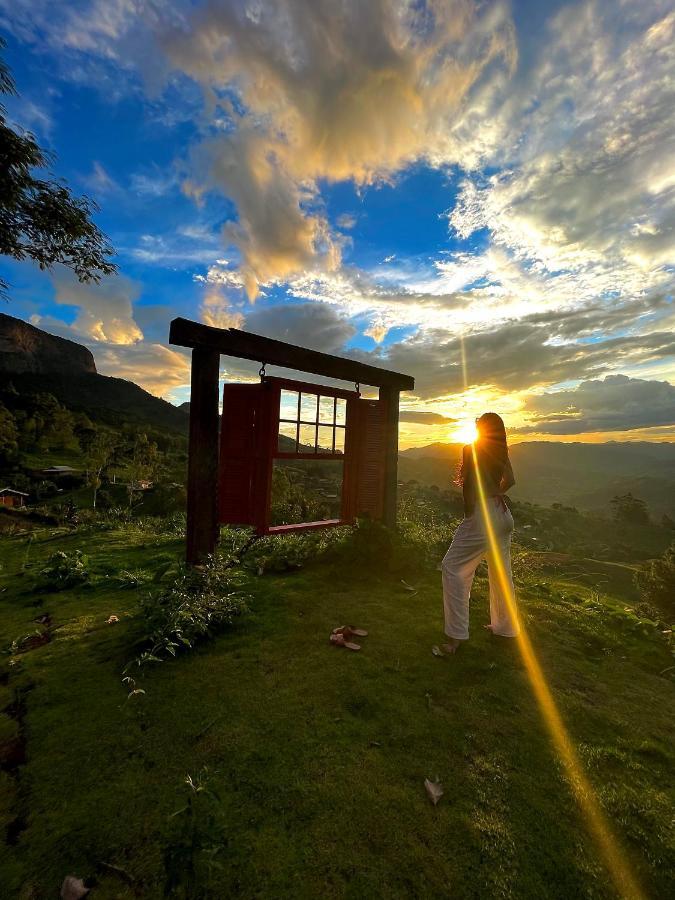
(243, 455)
(370, 458)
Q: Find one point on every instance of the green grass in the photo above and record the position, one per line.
(319, 755)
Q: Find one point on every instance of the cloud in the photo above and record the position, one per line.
(584, 188)
(420, 417)
(183, 246)
(615, 403)
(158, 369)
(217, 311)
(313, 93)
(305, 324)
(513, 357)
(346, 221)
(105, 310)
(154, 183)
(100, 181)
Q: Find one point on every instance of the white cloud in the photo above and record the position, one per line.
(100, 181)
(354, 94)
(584, 193)
(105, 310)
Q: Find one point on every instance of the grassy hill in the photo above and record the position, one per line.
(578, 474)
(309, 762)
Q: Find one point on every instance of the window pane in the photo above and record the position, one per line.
(288, 408)
(327, 410)
(339, 440)
(287, 436)
(308, 405)
(307, 439)
(341, 411)
(325, 442)
(306, 490)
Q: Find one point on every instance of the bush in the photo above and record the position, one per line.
(199, 602)
(656, 583)
(64, 570)
(283, 553)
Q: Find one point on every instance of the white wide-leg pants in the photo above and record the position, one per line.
(469, 546)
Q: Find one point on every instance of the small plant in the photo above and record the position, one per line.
(197, 603)
(133, 579)
(64, 570)
(191, 857)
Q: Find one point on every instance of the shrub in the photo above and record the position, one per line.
(656, 583)
(282, 553)
(197, 603)
(64, 570)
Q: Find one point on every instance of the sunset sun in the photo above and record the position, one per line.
(464, 431)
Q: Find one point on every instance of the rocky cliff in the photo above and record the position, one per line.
(25, 349)
(34, 361)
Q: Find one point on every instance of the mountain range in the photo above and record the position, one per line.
(576, 474)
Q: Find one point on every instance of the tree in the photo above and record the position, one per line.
(100, 454)
(9, 435)
(657, 582)
(39, 218)
(628, 508)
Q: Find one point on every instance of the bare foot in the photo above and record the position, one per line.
(451, 646)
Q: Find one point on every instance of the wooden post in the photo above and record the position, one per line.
(391, 397)
(202, 483)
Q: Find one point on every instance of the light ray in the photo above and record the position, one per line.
(599, 827)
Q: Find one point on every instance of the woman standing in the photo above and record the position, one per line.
(475, 539)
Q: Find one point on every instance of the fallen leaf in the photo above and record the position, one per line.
(408, 587)
(434, 790)
(112, 620)
(437, 651)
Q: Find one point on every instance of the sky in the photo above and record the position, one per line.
(478, 194)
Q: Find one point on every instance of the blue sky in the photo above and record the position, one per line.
(403, 182)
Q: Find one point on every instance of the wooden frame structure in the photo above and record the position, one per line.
(205, 443)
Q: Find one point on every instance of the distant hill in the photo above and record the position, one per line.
(27, 349)
(583, 475)
(35, 361)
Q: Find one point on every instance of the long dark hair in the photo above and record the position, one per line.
(492, 451)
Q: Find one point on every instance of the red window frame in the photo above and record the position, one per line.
(249, 445)
(277, 385)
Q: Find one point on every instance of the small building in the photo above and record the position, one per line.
(10, 497)
(58, 471)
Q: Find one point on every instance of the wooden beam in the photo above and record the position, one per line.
(390, 397)
(202, 483)
(244, 345)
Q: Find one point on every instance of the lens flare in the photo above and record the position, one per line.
(599, 827)
(464, 431)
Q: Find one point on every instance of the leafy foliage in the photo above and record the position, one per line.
(191, 857)
(64, 570)
(197, 603)
(657, 582)
(39, 218)
(628, 508)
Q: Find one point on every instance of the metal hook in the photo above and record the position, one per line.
(261, 371)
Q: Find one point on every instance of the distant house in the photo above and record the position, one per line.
(58, 471)
(10, 497)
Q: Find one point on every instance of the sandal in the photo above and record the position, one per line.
(339, 641)
(350, 631)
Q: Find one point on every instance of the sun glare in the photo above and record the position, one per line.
(464, 431)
